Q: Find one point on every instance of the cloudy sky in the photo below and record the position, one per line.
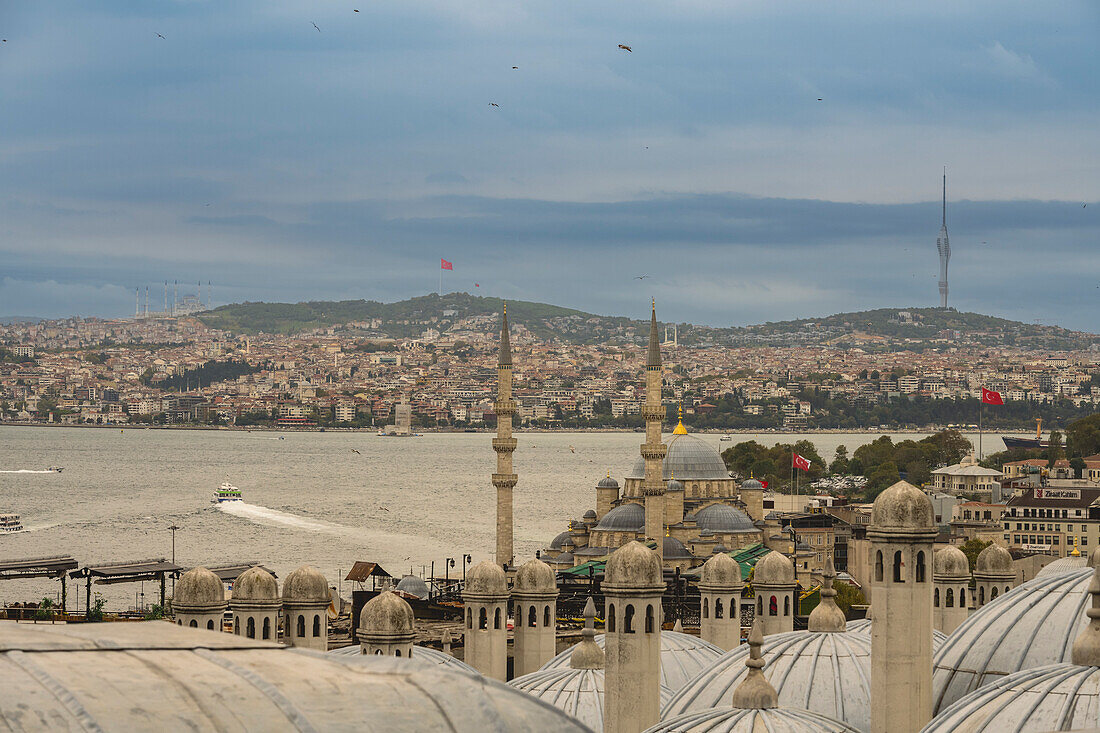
(758, 160)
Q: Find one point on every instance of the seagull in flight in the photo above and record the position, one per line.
(640, 277)
(493, 104)
(625, 48)
(160, 36)
(354, 10)
(515, 67)
(356, 452)
(315, 26)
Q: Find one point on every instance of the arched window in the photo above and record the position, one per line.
(194, 624)
(759, 606)
(546, 617)
(920, 567)
(628, 620)
(532, 617)
(993, 593)
(496, 620)
(1008, 588)
(483, 619)
(469, 618)
(962, 598)
(981, 595)
(898, 567)
(936, 598)
(717, 608)
(733, 607)
(773, 606)
(179, 622)
(878, 566)
(950, 603)
(250, 629)
(397, 652)
(210, 624)
(378, 652)
(786, 605)
(706, 608)
(649, 619)
(267, 628)
(300, 627)
(611, 618)
(237, 625)
(316, 626)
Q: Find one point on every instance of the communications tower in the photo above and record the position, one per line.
(944, 247)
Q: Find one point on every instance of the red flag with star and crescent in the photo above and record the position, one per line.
(990, 397)
(800, 462)
(445, 265)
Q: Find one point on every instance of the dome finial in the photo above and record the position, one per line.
(1075, 552)
(755, 692)
(827, 616)
(587, 654)
(1086, 649)
(680, 429)
(609, 473)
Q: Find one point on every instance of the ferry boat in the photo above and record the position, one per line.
(725, 438)
(55, 469)
(226, 492)
(10, 523)
(1027, 443)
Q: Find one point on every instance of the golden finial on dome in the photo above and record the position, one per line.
(680, 429)
(609, 473)
(1075, 552)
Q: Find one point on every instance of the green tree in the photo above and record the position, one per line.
(973, 548)
(840, 461)
(1055, 450)
(883, 477)
(917, 472)
(1077, 463)
(45, 609)
(1083, 436)
(95, 613)
(847, 595)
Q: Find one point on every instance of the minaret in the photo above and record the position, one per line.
(901, 532)
(504, 444)
(944, 247)
(653, 450)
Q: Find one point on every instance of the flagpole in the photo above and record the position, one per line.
(981, 409)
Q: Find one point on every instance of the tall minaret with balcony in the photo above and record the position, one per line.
(504, 444)
(653, 450)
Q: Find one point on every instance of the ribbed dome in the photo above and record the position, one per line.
(624, 518)
(198, 588)
(420, 654)
(306, 585)
(387, 613)
(1033, 625)
(633, 566)
(734, 720)
(589, 515)
(487, 579)
(577, 692)
(863, 626)
(903, 506)
(556, 543)
(255, 584)
(1063, 565)
(1049, 698)
(414, 586)
(720, 571)
(675, 485)
(608, 483)
(995, 560)
(825, 673)
(751, 484)
(688, 458)
(535, 576)
(723, 518)
(683, 656)
(950, 562)
(674, 549)
(773, 569)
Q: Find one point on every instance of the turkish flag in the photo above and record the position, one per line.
(764, 483)
(990, 397)
(443, 264)
(800, 462)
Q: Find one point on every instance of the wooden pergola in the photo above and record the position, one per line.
(40, 567)
(126, 572)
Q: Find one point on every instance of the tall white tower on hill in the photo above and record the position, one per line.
(943, 245)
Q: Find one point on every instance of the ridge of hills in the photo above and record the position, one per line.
(881, 329)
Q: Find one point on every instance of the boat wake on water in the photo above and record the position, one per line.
(29, 470)
(274, 517)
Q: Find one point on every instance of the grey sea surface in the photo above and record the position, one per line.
(308, 497)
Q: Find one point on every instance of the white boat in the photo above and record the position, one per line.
(724, 438)
(226, 492)
(56, 469)
(10, 523)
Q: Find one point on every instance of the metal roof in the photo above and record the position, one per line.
(37, 567)
(127, 572)
(229, 573)
(362, 570)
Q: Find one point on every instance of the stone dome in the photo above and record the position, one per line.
(724, 519)
(751, 484)
(414, 586)
(629, 517)
(688, 458)
(420, 654)
(720, 571)
(306, 585)
(674, 549)
(774, 569)
(1049, 698)
(556, 543)
(824, 673)
(387, 613)
(208, 680)
(255, 584)
(950, 562)
(198, 588)
(633, 566)
(735, 720)
(535, 576)
(607, 483)
(486, 579)
(565, 557)
(589, 516)
(1063, 565)
(994, 560)
(683, 656)
(577, 692)
(1032, 625)
(675, 485)
(903, 506)
(863, 626)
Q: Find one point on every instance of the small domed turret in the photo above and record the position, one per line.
(633, 566)
(774, 569)
(902, 507)
(607, 482)
(486, 578)
(721, 571)
(387, 613)
(198, 587)
(255, 584)
(306, 584)
(994, 559)
(950, 562)
(535, 576)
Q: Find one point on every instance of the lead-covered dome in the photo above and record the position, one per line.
(683, 656)
(577, 692)
(736, 720)
(1063, 565)
(688, 458)
(825, 673)
(559, 540)
(950, 562)
(723, 519)
(1032, 625)
(863, 626)
(674, 549)
(420, 654)
(198, 588)
(306, 585)
(628, 517)
(903, 506)
(486, 579)
(414, 586)
(774, 569)
(255, 584)
(607, 483)
(994, 560)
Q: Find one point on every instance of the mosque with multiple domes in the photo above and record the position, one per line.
(943, 648)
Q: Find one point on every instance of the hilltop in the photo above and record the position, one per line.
(883, 329)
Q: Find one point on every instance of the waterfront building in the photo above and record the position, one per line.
(967, 477)
(1052, 519)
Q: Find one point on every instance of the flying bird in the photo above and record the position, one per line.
(354, 10)
(820, 99)
(493, 104)
(572, 449)
(160, 36)
(640, 277)
(515, 67)
(625, 48)
(356, 452)
(315, 26)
